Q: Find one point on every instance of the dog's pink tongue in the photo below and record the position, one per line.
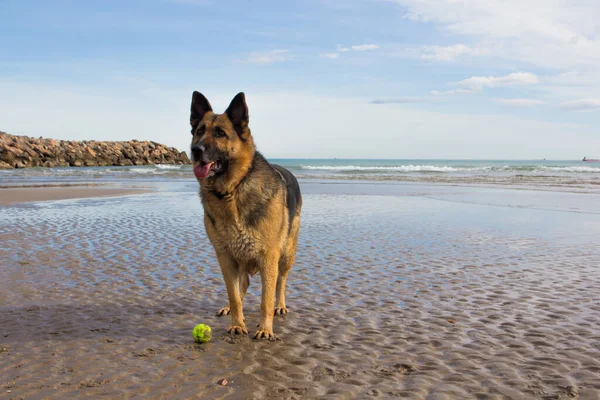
(202, 170)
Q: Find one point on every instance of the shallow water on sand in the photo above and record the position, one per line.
(415, 293)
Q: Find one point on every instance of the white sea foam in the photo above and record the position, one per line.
(402, 168)
(573, 169)
(141, 170)
(447, 168)
(168, 166)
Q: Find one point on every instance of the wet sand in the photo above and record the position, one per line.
(423, 293)
(15, 195)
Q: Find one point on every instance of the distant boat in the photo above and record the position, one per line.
(590, 159)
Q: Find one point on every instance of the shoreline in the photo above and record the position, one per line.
(13, 195)
(549, 198)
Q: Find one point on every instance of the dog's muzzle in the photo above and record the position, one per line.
(197, 152)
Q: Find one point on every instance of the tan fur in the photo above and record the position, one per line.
(266, 246)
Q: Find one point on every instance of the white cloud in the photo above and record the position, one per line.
(478, 83)
(452, 91)
(365, 47)
(561, 35)
(403, 100)
(273, 56)
(449, 53)
(581, 105)
(572, 84)
(520, 102)
(575, 78)
(558, 34)
(358, 47)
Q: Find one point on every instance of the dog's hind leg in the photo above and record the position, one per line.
(231, 275)
(285, 265)
(268, 275)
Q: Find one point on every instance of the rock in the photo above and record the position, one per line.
(9, 154)
(24, 151)
(222, 382)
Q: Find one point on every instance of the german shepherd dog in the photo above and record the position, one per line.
(251, 210)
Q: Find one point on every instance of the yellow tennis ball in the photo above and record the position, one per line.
(202, 333)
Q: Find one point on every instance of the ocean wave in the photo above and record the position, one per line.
(447, 168)
(402, 168)
(169, 166)
(567, 173)
(572, 169)
(153, 169)
(139, 170)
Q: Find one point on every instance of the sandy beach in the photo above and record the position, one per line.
(15, 195)
(399, 291)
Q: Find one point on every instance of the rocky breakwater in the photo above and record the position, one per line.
(24, 152)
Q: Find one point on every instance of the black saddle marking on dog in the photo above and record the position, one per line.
(293, 191)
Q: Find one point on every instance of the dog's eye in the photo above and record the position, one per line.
(219, 132)
(200, 131)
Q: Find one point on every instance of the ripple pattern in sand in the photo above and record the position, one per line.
(390, 297)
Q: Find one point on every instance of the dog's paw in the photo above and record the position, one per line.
(281, 310)
(223, 311)
(265, 334)
(237, 330)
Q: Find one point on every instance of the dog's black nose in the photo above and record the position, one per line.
(197, 151)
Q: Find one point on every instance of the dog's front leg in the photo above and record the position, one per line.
(268, 275)
(231, 275)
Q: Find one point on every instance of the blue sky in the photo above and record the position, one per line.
(323, 78)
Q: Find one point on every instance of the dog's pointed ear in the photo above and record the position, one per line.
(200, 106)
(238, 113)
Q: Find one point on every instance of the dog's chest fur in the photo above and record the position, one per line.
(240, 223)
(227, 231)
